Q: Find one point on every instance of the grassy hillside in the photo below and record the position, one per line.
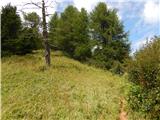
(68, 90)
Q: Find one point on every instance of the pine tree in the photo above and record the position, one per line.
(70, 32)
(108, 31)
(83, 48)
(11, 27)
(54, 31)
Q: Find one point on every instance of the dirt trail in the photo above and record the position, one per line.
(122, 113)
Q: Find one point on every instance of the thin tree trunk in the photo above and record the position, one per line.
(45, 36)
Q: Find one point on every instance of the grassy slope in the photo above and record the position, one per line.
(68, 90)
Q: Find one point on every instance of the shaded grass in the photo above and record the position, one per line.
(68, 90)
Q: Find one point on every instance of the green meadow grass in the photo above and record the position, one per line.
(68, 90)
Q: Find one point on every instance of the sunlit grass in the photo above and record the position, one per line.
(68, 90)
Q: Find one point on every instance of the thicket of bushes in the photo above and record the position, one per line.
(144, 72)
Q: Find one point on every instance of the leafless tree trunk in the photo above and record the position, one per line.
(45, 36)
(42, 5)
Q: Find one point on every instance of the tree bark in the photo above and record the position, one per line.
(45, 36)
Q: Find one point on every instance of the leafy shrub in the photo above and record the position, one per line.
(144, 72)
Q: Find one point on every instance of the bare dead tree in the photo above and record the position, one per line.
(42, 5)
(45, 35)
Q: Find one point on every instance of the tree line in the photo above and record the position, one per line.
(17, 37)
(97, 38)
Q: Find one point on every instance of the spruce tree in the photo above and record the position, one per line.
(10, 29)
(109, 33)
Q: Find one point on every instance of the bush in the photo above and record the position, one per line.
(144, 72)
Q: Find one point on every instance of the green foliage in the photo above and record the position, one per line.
(54, 31)
(32, 19)
(74, 30)
(15, 39)
(10, 29)
(118, 68)
(69, 32)
(28, 41)
(144, 72)
(82, 52)
(10, 23)
(32, 23)
(108, 31)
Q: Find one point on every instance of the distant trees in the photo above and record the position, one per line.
(27, 41)
(144, 73)
(32, 23)
(77, 33)
(16, 38)
(109, 33)
(32, 20)
(11, 27)
(43, 7)
(69, 32)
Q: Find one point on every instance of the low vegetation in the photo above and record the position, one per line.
(144, 73)
(66, 90)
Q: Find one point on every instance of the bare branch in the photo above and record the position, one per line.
(52, 2)
(32, 3)
(29, 8)
(46, 2)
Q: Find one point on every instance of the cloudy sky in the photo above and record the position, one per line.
(141, 18)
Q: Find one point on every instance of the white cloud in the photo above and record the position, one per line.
(90, 4)
(136, 45)
(87, 4)
(151, 12)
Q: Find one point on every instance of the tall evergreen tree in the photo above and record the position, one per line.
(69, 32)
(83, 49)
(54, 31)
(108, 30)
(10, 27)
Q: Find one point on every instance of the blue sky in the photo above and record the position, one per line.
(141, 18)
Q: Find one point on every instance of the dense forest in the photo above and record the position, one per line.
(96, 39)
